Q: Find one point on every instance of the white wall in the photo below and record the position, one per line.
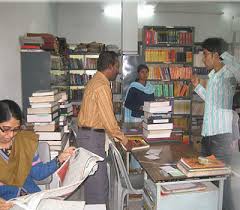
(85, 22)
(15, 20)
(205, 25)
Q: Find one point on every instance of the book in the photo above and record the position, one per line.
(45, 92)
(156, 103)
(42, 117)
(157, 115)
(44, 105)
(182, 187)
(43, 99)
(192, 168)
(137, 143)
(56, 135)
(157, 133)
(52, 126)
(155, 120)
(42, 110)
(203, 172)
(193, 163)
(164, 109)
(158, 126)
(71, 174)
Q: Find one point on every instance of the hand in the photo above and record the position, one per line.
(66, 154)
(195, 80)
(4, 205)
(124, 141)
(129, 146)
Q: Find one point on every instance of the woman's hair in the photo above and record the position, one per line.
(139, 68)
(9, 109)
(142, 66)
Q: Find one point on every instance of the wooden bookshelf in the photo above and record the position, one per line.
(168, 52)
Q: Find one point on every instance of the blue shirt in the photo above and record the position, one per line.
(218, 97)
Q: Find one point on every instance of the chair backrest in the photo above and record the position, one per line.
(121, 172)
(44, 154)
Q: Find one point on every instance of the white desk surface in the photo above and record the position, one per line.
(95, 207)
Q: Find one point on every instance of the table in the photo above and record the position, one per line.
(95, 207)
(154, 179)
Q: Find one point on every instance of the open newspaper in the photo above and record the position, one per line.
(71, 174)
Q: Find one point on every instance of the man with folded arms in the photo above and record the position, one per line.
(96, 117)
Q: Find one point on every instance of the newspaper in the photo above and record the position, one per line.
(71, 174)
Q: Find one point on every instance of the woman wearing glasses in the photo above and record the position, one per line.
(20, 165)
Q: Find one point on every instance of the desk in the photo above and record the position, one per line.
(170, 154)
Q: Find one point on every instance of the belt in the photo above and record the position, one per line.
(93, 129)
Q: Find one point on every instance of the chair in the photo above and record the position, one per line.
(44, 154)
(120, 183)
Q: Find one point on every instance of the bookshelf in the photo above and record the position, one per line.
(82, 66)
(59, 73)
(168, 52)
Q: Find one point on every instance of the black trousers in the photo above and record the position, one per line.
(95, 186)
(221, 146)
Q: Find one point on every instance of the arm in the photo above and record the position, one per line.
(130, 102)
(232, 64)
(4, 205)
(105, 106)
(42, 170)
(201, 91)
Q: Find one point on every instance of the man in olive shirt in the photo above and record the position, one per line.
(96, 117)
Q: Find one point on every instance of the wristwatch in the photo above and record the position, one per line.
(57, 161)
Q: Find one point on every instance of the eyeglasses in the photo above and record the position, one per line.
(8, 130)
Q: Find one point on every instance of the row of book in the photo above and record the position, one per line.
(200, 70)
(57, 63)
(171, 89)
(49, 113)
(170, 36)
(76, 95)
(167, 73)
(168, 55)
(79, 79)
(59, 79)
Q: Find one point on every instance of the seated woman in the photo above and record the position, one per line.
(20, 165)
(138, 92)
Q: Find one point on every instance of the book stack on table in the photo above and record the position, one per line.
(157, 125)
(44, 114)
(192, 167)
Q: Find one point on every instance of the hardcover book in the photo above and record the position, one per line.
(192, 168)
(137, 143)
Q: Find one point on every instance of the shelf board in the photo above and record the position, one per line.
(170, 63)
(172, 80)
(58, 72)
(60, 86)
(76, 87)
(77, 71)
(168, 45)
(174, 98)
(83, 53)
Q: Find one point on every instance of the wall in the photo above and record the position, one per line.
(85, 22)
(15, 20)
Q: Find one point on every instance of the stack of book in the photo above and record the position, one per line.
(192, 167)
(44, 114)
(66, 112)
(156, 124)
